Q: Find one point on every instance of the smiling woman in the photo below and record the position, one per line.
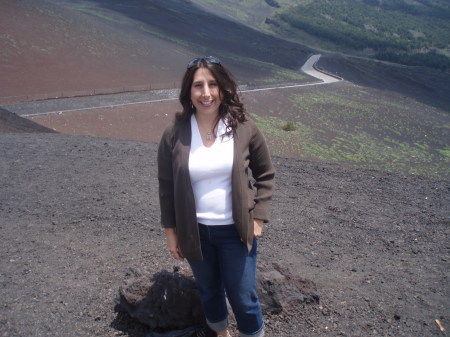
(206, 99)
(211, 213)
(208, 73)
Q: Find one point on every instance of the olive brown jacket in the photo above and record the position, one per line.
(250, 197)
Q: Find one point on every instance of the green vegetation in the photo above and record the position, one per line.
(357, 127)
(271, 74)
(410, 33)
(289, 126)
(415, 33)
(445, 153)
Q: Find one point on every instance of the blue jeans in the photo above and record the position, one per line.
(228, 268)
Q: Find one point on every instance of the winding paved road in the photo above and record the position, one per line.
(308, 68)
(65, 105)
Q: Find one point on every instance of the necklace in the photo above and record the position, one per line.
(209, 133)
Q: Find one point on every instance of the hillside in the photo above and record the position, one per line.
(69, 48)
(410, 33)
(398, 45)
(60, 50)
(79, 47)
(406, 32)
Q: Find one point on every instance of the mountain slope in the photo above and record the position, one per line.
(47, 48)
(406, 32)
(51, 46)
(352, 33)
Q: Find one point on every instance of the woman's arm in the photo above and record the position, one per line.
(165, 180)
(263, 173)
(166, 194)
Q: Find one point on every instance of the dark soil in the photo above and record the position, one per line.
(12, 123)
(77, 212)
(427, 85)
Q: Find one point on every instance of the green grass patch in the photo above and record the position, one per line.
(360, 149)
(445, 153)
(280, 75)
(289, 126)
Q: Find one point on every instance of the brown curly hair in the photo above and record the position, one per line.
(231, 110)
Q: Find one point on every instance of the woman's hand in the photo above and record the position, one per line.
(172, 244)
(257, 227)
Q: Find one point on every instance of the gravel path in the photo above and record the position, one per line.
(63, 105)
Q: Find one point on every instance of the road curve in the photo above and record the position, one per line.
(309, 68)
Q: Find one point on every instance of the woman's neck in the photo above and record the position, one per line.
(207, 121)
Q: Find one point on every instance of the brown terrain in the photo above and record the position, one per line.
(78, 191)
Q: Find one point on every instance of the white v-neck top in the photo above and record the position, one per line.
(210, 173)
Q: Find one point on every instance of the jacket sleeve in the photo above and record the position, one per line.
(165, 179)
(263, 173)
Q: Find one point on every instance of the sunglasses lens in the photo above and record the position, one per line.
(212, 60)
(193, 62)
(209, 59)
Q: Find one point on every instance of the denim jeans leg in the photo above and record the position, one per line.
(228, 264)
(239, 275)
(209, 281)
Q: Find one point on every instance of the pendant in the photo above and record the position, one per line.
(208, 136)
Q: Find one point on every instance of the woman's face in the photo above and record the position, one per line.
(205, 93)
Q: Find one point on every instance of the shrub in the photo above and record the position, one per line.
(289, 126)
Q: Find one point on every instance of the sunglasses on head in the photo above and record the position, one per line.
(209, 59)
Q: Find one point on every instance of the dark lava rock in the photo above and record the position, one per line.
(278, 289)
(164, 301)
(170, 300)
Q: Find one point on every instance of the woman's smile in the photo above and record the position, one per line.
(207, 103)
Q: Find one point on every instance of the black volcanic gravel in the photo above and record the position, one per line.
(77, 212)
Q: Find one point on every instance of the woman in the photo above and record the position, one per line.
(210, 210)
